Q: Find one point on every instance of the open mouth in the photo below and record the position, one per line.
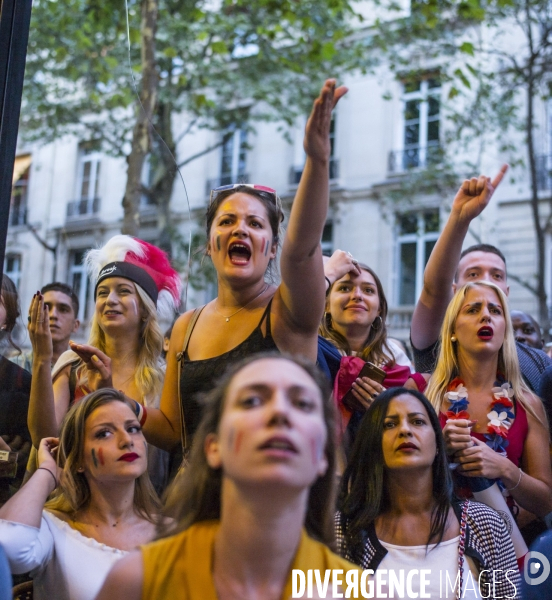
(279, 444)
(485, 333)
(239, 253)
(111, 313)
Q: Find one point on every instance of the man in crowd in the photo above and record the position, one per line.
(449, 268)
(63, 311)
(526, 329)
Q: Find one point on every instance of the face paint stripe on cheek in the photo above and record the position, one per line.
(94, 459)
(100, 456)
(218, 243)
(266, 248)
(238, 442)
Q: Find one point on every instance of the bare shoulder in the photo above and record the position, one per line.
(535, 404)
(125, 580)
(179, 330)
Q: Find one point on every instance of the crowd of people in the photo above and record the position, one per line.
(277, 430)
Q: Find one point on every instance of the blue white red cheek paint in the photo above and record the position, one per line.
(266, 248)
(94, 459)
(100, 456)
(218, 243)
(234, 441)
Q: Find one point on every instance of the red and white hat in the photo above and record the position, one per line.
(142, 263)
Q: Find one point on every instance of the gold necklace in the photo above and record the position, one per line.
(242, 307)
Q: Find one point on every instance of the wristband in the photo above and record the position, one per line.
(519, 481)
(45, 469)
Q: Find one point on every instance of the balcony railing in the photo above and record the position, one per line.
(225, 179)
(86, 207)
(417, 157)
(296, 172)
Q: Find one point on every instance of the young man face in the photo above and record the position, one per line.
(62, 318)
(481, 266)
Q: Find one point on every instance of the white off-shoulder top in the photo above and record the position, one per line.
(65, 564)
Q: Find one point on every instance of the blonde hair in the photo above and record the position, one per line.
(148, 375)
(447, 367)
(73, 492)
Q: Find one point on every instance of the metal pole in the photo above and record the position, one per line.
(15, 17)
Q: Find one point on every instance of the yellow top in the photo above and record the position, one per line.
(181, 566)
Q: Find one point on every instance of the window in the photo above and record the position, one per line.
(12, 268)
(421, 123)
(88, 179)
(297, 169)
(79, 281)
(233, 157)
(417, 234)
(18, 202)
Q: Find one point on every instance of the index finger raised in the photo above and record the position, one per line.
(500, 176)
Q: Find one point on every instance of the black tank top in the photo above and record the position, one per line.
(197, 376)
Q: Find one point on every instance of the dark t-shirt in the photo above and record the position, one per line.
(15, 389)
(532, 362)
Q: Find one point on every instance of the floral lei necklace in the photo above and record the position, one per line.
(500, 415)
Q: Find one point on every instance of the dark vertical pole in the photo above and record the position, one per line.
(15, 18)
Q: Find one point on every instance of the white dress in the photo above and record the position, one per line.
(64, 564)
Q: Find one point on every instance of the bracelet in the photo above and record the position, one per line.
(45, 469)
(329, 284)
(519, 481)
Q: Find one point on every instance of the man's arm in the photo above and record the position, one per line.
(472, 197)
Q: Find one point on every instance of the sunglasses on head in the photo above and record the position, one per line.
(233, 186)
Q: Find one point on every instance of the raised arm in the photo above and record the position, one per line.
(299, 301)
(41, 418)
(472, 197)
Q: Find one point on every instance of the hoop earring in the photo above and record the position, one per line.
(380, 323)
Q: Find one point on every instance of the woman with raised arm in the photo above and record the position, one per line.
(494, 426)
(133, 283)
(102, 504)
(256, 501)
(398, 515)
(250, 314)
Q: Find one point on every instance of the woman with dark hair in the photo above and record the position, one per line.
(355, 322)
(250, 314)
(101, 505)
(398, 512)
(14, 393)
(256, 501)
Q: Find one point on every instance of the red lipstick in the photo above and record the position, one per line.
(129, 457)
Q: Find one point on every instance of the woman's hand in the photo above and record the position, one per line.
(39, 330)
(47, 454)
(317, 132)
(365, 391)
(457, 434)
(339, 264)
(97, 363)
(482, 461)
